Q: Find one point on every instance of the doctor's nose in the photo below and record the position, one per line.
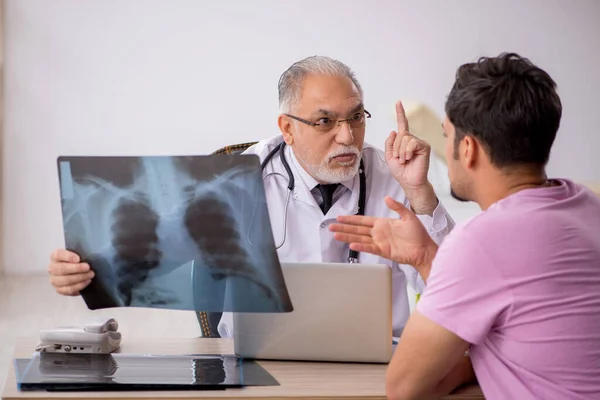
(344, 134)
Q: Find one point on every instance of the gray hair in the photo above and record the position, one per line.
(290, 83)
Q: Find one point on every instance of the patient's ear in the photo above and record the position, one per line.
(287, 129)
(469, 147)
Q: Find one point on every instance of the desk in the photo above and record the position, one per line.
(297, 379)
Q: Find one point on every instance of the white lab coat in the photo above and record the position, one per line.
(308, 238)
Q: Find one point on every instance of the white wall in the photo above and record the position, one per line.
(161, 77)
(1, 112)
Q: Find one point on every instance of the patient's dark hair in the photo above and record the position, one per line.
(510, 106)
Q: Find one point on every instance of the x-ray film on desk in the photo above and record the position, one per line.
(104, 372)
(174, 232)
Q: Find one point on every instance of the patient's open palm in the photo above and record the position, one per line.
(403, 240)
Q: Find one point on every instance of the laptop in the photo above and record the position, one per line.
(342, 313)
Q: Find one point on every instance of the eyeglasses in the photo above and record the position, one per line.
(327, 125)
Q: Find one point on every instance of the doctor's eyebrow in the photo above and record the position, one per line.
(321, 111)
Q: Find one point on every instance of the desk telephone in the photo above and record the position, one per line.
(97, 337)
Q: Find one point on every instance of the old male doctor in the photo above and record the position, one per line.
(322, 126)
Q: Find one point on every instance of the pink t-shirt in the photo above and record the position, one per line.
(521, 283)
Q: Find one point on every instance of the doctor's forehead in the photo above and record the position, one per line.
(334, 95)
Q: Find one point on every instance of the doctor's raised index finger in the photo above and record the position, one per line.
(401, 118)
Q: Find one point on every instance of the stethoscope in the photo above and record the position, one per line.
(353, 255)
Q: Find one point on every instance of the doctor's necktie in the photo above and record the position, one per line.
(327, 193)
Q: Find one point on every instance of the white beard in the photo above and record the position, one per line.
(348, 170)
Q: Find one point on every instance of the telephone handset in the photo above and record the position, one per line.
(97, 337)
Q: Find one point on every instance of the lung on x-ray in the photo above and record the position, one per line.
(175, 232)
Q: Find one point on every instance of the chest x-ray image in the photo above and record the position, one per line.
(176, 232)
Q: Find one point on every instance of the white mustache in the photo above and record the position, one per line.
(343, 150)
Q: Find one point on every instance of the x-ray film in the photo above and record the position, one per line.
(110, 372)
(175, 232)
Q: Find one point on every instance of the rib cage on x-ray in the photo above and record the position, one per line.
(147, 225)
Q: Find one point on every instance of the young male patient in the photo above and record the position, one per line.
(519, 285)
